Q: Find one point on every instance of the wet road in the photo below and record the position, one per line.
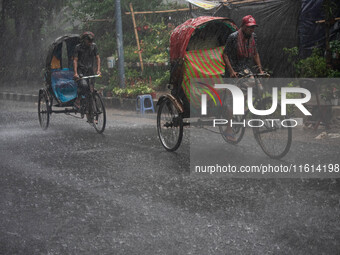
(68, 190)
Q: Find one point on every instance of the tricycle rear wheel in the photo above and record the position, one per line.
(43, 109)
(169, 125)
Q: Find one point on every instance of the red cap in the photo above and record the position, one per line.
(248, 21)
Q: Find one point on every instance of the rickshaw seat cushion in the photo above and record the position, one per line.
(63, 84)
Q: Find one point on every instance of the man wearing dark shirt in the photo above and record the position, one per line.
(239, 54)
(85, 56)
(241, 50)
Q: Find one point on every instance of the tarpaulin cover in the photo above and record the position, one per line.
(283, 24)
(63, 85)
(207, 63)
(277, 28)
(181, 35)
(312, 34)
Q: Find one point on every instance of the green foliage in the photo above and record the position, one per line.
(154, 35)
(314, 66)
(335, 46)
(331, 91)
(292, 54)
(23, 30)
(154, 40)
(139, 88)
(131, 54)
(106, 44)
(161, 82)
(159, 58)
(334, 74)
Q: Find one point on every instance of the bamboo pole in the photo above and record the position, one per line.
(137, 38)
(165, 11)
(323, 21)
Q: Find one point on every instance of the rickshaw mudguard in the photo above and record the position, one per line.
(176, 103)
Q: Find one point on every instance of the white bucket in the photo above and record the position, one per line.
(111, 62)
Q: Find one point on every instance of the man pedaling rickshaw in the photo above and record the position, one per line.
(85, 55)
(239, 54)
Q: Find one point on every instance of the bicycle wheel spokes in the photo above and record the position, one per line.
(99, 114)
(238, 130)
(169, 125)
(272, 134)
(43, 110)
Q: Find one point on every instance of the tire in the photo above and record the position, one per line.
(99, 113)
(237, 129)
(274, 138)
(43, 110)
(169, 125)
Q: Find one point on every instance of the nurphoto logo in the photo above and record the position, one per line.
(238, 107)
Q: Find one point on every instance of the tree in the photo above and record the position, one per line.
(21, 27)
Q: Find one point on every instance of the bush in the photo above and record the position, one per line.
(314, 66)
(161, 82)
(133, 91)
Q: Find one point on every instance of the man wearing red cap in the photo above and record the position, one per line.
(239, 54)
(240, 51)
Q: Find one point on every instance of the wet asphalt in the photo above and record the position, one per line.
(69, 190)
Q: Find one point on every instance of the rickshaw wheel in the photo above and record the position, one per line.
(43, 110)
(169, 125)
(274, 137)
(99, 113)
(238, 130)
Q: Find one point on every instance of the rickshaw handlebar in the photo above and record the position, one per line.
(90, 76)
(260, 75)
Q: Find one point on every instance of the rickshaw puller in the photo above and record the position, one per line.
(85, 55)
(239, 54)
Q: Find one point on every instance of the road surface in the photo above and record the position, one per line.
(69, 190)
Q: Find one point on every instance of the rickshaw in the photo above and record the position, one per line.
(61, 89)
(196, 49)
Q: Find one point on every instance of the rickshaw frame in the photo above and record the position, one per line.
(170, 120)
(56, 74)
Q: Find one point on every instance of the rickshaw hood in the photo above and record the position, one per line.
(181, 35)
